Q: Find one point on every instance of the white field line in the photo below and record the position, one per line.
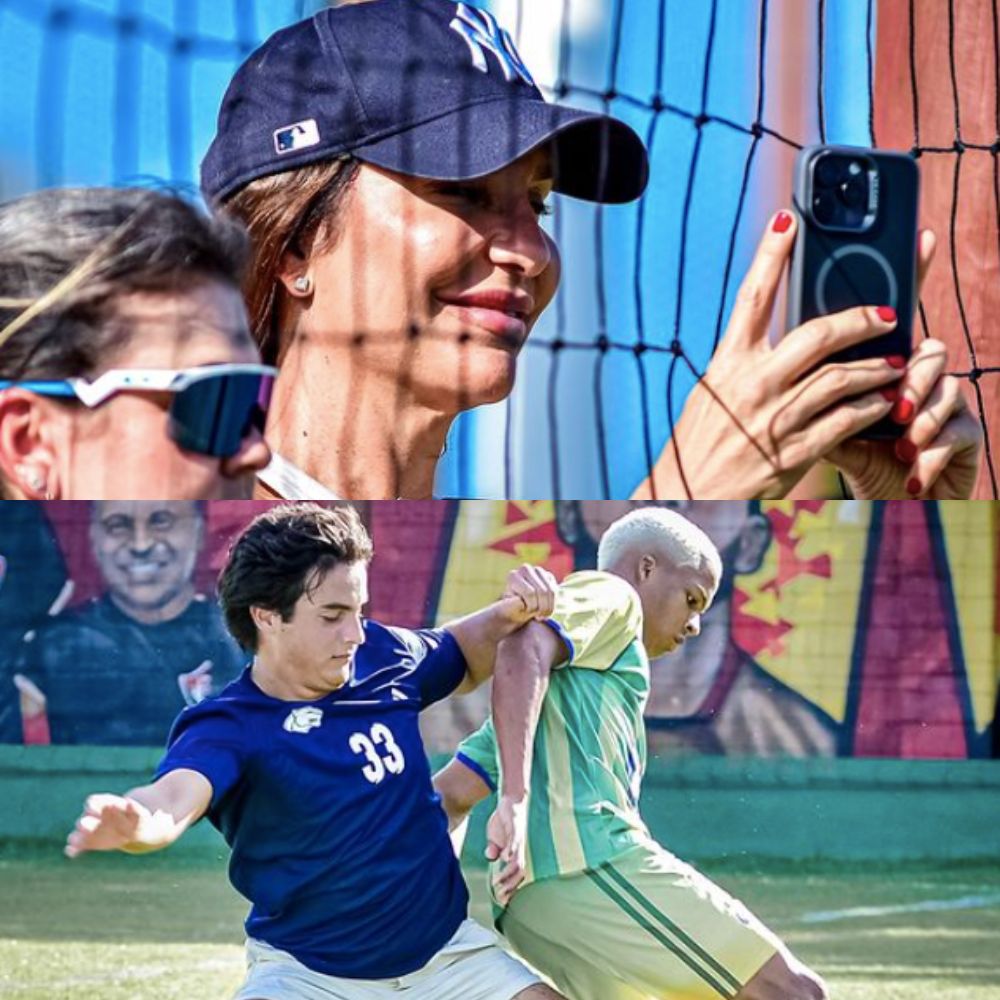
(926, 906)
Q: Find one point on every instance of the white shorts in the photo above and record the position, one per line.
(471, 966)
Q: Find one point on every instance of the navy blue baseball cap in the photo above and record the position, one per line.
(427, 88)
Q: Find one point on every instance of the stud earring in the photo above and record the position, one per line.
(303, 284)
(33, 478)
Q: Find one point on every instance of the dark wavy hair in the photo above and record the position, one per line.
(281, 555)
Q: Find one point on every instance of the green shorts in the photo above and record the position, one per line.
(643, 926)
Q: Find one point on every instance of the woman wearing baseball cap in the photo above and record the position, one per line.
(391, 159)
(126, 367)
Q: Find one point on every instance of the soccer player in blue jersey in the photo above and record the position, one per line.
(312, 767)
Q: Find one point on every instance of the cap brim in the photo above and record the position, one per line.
(594, 157)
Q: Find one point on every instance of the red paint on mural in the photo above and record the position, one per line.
(909, 704)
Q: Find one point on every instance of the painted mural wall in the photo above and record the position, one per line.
(842, 628)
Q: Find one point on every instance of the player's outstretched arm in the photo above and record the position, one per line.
(530, 594)
(145, 819)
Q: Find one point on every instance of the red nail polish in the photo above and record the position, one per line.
(913, 486)
(896, 361)
(902, 412)
(890, 392)
(887, 314)
(782, 222)
(906, 451)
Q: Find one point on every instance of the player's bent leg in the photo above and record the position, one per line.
(784, 977)
(642, 925)
(532, 928)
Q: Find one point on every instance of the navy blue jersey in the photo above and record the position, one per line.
(338, 838)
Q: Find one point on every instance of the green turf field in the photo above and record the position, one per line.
(162, 928)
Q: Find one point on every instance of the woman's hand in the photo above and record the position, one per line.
(761, 417)
(938, 456)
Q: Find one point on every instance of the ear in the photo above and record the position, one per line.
(266, 619)
(752, 544)
(646, 566)
(27, 445)
(293, 273)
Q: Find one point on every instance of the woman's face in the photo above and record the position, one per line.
(122, 449)
(436, 283)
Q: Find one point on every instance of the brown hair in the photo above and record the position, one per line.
(281, 555)
(297, 211)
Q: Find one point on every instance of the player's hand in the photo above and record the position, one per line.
(762, 416)
(506, 841)
(938, 456)
(530, 594)
(108, 823)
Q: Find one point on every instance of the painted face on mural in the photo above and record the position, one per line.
(146, 551)
(740, 534)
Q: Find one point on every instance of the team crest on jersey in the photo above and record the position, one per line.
(482, 34)
(301, 720)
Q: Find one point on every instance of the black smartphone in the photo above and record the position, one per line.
(856, 245)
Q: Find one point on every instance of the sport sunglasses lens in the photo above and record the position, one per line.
(213, 415)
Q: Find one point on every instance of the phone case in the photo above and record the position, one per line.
(836, 270)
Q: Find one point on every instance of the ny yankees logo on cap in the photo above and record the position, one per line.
(480, 30)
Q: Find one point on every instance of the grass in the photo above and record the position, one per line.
(170, 928)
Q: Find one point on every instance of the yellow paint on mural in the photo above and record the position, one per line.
(814, 655)
(970, 531)
(491, 538)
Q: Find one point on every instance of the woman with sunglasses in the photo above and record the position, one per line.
(391, 160)
(127, 370)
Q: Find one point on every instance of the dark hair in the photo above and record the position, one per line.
(67, 258)
(295, 210)
(282, 554)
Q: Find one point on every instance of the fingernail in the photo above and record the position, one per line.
(896, 361)
(887, 314)
(782, 221)
(902, 411)
(891, 393)
(906, 451)
(913, 486)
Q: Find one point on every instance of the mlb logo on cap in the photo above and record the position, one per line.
(301, 135)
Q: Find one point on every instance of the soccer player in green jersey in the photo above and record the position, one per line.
(582, 891)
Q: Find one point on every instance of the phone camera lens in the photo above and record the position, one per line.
(853, 192)
(824, 207)
(829, 170)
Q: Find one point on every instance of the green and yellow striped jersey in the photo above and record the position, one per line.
(590, 746)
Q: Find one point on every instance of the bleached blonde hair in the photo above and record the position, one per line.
(663, 529)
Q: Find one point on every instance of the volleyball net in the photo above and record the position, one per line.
(723, 91)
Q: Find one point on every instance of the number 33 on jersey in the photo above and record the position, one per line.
(381, 752)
